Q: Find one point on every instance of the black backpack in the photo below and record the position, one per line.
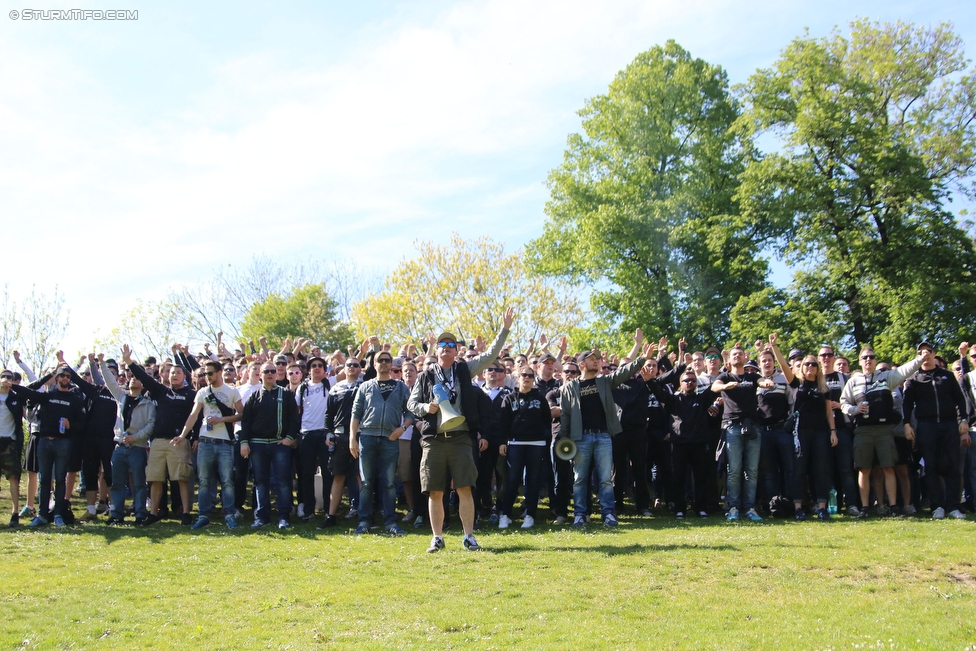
(881, 405)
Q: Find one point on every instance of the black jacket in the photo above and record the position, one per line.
(934, 396)
(172, 407)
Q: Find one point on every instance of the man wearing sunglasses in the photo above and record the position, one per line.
(867, 401)
(494, 391)
(312, 396)
(338, 417)
(221, 407)
(57, 411)
(11, 441)
(448, 452)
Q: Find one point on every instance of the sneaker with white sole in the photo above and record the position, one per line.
(528, 522)
(471, 544)
(732, 515)
(956, 514)
(436, 544)
(59, 521)
(938, 514)
(609, 520)
(579, 521)
(504, 522)
(753, 516)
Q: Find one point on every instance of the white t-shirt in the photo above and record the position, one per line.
(315, 397)
(224, 393)
(8, 424)
(245, 391)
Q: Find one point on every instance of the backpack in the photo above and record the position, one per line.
(881, 405)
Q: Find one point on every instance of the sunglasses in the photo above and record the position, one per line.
(956, 369)
(397, 370)
(531, 375)
(446, 344)
(689, 380)
(294, 372)
(385, 360)
(6, 377)
(713, 356)
(494, 369)
(972, 356)
(570, 372)
(352, 365)
(811, 364)
(825, 355)
(211, 373)
(316, 366)
(281, 363)
(268, 371)
(866, 357)
(64, 375)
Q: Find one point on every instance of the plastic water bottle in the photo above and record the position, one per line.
(832, 502)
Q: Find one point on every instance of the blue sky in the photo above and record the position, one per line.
(134, 155)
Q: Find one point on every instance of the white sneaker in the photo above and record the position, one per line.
(956, 514)
(938, 514)
(528, 522)
(504, 522)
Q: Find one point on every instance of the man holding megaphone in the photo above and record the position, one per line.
(444, 400)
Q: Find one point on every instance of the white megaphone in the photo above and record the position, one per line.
(447, 416)
(565, 449)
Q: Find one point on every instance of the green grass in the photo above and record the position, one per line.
(652, 583)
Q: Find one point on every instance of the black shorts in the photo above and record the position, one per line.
(76, 460)
(97, 455)
(341, 461)
(30, 455)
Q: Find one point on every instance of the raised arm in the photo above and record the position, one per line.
(783, 365)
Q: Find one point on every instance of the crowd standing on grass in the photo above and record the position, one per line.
(451, 427)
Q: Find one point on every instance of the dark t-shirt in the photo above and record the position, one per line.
(810, 403)
(387, 387)
(591, 407)
(740, 402)
(774, 404)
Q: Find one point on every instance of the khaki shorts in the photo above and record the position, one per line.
(445, 459)
(403, 470)
(871, 439)
(166, 458)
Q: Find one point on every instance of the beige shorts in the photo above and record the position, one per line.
(447, 460)
(403, 470)
(168, 461)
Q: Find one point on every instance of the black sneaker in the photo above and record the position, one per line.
(152, 518)
(14, 521)
(800, 515)
(823, 514)
(471, 544)
(328, 523)
(115, 521)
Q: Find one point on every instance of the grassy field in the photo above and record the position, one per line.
(652, 583)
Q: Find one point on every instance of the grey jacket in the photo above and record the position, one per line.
(571, 420)
(143, 414)
(378, 417)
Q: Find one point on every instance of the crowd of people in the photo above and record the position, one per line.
(408, 436)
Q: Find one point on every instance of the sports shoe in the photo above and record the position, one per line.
(327, 523)
(680, 515)
(561, 519)
(353, 513)
(38, 521)
(938, 514)
(801, 515)
(908, 509)
(732, 515)
(363, 528)
(823, 514)
(436, 544)
(853, 511)
(28, 512)
(504, 522)
(396, 531)
(283, 524)
(579, 521)
(89, 517)
(702, 514)
(883, 510)
(471, 544)
(753, 516)
(59, 521)
(956, 514)
(258, 523)
(201, 522)
(645, 513)
(102, 507)
(408, 517)
(528, 522)
(419, 522)
(113, 521)
(493, 518)
(186, 520)
(609, 520)
(152, 518)
(863, 515)
(231, 521)
(14, 520)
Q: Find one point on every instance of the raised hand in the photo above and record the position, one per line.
(508, 318)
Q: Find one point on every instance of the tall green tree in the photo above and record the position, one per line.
(306, 311)
(643, 204)
(873, 134)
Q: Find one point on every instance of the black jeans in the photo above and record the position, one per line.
(631, 445)
(814, 458)
(313, 453)
(694, 457)
(939, 443)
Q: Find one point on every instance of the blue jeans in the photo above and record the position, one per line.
(53, 456)
(595, 450)
(743, 443)
(263, 456)
(126, 460)
(378, 457)
(220, 457)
